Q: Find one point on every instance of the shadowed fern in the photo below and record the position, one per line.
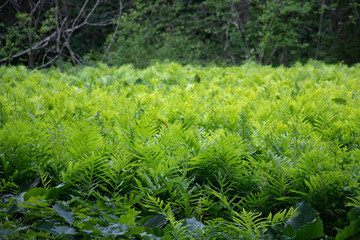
(90, 172)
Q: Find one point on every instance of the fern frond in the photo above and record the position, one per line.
(84, 138)
(157, 205)
(119, 174)
(282, 216)
(225, 155)
(354, 202)
(154, 184)
(324, 125)
(8, 187)
(94, 173)
(150, 154)
(249, 220)
(258, 200)
(91, 172)
(315, 183)
(223, 199)
(185, 196)
(44, 177)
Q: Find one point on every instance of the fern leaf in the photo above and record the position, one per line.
(249, 220)
(282, 216)
(354, 202)
(45, 180)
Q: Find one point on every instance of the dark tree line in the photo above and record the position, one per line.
(44, 32)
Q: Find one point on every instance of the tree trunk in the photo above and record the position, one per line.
(318, 45)
(238, 23)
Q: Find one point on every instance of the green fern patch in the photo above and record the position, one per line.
(248, 152)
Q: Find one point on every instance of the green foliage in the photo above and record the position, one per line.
(306, 225)
(23, 31)
(148, 33)
(272, 32)
(352, 230)
(172, 152)
(275, 32)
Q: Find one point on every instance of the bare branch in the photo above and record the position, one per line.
(239, 25)
(271, 55)
(92, 10)
(320, 29)
(45, 55)
(30, 14)
(43, 43)
(227, 36)
(4, 4)
(58, 34)
(47, 63)
(73, 28)
(62, 35)
(265, 40)
(100, 24)
(115, 32)
(80, 13)
(74, 58)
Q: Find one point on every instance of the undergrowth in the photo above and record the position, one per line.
(180, 152)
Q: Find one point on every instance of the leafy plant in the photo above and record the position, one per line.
(245, 152)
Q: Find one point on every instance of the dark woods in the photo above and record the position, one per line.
(41, 33)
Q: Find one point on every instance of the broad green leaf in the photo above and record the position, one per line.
(113, 230)
(60, 192)
(306, 214)
(192, 224)
(311, 230)
(156, 221)
(53, 227)
(65, 212)
(36, 193)
(350, 232)
(60, 230)
(353, 230)
(306, 225)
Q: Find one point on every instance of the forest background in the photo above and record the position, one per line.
(40, 33)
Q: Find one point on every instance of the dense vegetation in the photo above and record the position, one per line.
(271, 32)
(180, 152)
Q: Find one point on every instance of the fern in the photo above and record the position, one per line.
(119, 176)
(158, 181)
(354, 202)
(224, 201)
(44, 177)
(159, 206)
(83, 139)
(225, 155)
(324, 125)
(229, 153)
(249, 224)
(281, 216)
(149, 153)
(315, 184)
(8, 187)
(186, 197)
(91, 172)
(258, 200)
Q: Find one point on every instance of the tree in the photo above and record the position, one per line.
(43, 32)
